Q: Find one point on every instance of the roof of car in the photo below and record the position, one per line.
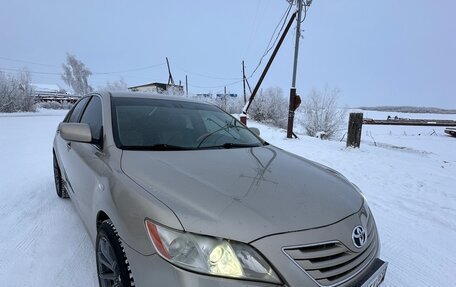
(151, 96)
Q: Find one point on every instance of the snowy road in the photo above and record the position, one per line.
(43, 241)
(411, 193)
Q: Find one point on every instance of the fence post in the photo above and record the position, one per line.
(355, 124)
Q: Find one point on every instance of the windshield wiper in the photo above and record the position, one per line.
(225, 128)
(232, 145)
(161, 147)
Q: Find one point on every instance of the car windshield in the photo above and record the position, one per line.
(158, 124)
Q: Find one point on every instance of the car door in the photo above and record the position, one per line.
(63, 147)
(88, 167)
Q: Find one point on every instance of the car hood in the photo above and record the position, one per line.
(243, 193)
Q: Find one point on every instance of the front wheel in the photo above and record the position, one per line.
(112, 264)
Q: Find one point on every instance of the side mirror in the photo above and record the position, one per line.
(78, 132)
(255, 131)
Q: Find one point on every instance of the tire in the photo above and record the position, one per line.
(59, 186)
(113, 268)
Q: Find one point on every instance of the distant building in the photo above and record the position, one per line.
(52, 93)
(159, 88)
(204, 95)
(210, 95)
(227, 95)
(48, 90)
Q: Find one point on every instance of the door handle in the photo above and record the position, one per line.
(68, 145)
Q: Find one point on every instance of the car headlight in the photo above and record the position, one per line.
(210, 255)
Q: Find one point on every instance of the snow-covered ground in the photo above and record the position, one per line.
(42, 240)
(408, 176)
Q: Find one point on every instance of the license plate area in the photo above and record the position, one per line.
(376, 277)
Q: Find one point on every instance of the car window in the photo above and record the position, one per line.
(213, 121)
(141, 123)
(92, 117)
(77, 110)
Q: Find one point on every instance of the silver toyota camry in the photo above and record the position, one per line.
(175, 192)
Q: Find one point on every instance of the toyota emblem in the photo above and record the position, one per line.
(359, 236)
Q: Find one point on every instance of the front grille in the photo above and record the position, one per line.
(332, 263)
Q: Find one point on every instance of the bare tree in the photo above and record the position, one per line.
(76, 74)
(320, 114)
(119, 85)
(16, 93)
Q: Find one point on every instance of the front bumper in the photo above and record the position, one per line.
(358, 265)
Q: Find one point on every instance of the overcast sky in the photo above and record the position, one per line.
(376, 52)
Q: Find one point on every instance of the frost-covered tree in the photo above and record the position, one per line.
(320, 113)
(26, 99)
(270, 106)
(119, 85)
(231, 105)
(76, 75)
(16, 92)
(8, 89)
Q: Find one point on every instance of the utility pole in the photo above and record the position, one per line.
(170, 77)
(243, 82)
(292, 106)
(248, 85)
(186, 85)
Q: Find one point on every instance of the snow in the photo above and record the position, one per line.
(43, 241)
(426, 139)
(408, 179)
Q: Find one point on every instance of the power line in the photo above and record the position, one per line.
(214, 87)
(130, 70)
(269, 47)
(28, 62)
(272, 41)
(56, 74)
(93, 73)
(254, 26)
(207, 76)
(31, 72)
(306, 9)
(283, 20)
